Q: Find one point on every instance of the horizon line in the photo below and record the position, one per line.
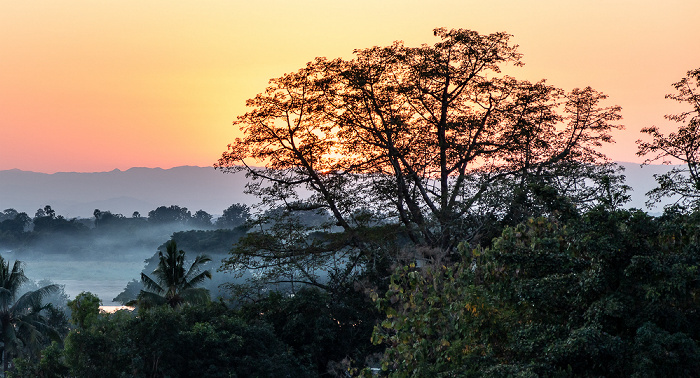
(212, 166)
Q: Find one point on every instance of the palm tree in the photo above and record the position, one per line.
(172, 284)
(22, 323)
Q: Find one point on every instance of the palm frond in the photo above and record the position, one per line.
(151, 284)
(16, 277)
(196, 280)
(24, 327)
(6, 299)
(198, 262)
(32, 300)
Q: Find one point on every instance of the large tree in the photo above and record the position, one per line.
(417, 134)
(682, 182)
(417, 140)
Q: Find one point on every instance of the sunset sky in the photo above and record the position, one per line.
(90, 85)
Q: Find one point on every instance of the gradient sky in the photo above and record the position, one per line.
(90, 85)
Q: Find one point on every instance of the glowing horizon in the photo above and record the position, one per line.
(91, 87)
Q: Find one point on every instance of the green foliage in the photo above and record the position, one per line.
(84, 309)
(51, 365)
(320, 328)
(205, 341)
(101, 350)
(432, 315)
(607, 294)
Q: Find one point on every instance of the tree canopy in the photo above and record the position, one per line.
(416, 134)
(432, 144)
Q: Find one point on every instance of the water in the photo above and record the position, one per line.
(105, 278)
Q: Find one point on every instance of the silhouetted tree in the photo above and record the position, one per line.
(419, 133)
(682, 145)
(57, 224)
(106, 218)
(46, 211)
(8, 214)
(201, 219)
(169, 214)
(39, 213)
(14, 222)
(233, 216)
(409, 145)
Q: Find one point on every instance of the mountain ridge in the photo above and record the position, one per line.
(78, 194)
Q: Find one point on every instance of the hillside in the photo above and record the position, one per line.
(74, 194)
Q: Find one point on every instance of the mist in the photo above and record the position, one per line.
(108, 259)
(106, 253)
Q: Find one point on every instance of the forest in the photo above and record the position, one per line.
(420, 214)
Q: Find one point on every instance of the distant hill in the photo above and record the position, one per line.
(74, 194)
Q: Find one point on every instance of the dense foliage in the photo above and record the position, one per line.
(206, 341)
(411, 146)
(610, 293)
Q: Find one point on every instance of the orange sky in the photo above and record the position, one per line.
(95, 85)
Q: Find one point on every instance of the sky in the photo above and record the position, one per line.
(97, 85)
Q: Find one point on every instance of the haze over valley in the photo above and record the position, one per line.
(104, 260)
(105, 264)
